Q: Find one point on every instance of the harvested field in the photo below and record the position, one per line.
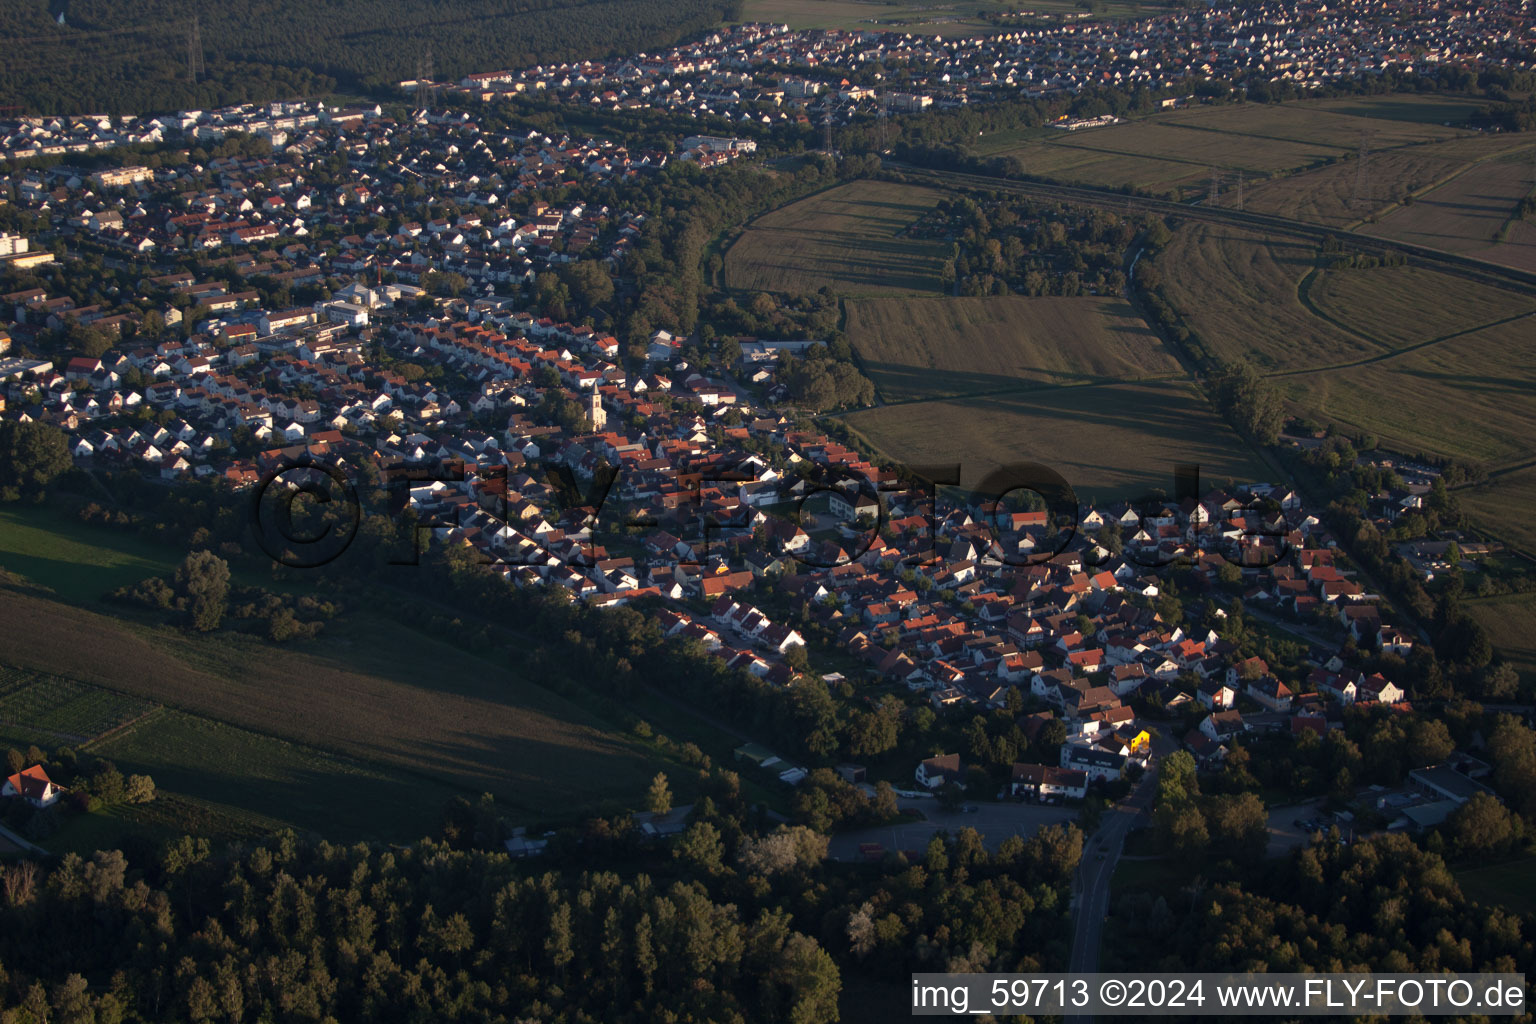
(1331, 195)
(1468, 214)
(940, 347)
(1473, 396)
(1238, 290)
(852, 238)
(1410, 305)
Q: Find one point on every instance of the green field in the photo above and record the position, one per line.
(262, 779)
(853, 239)
(1511, 885)
(368, 689)
(942, 347)
(1402, 306)
(49, 710)
(70, 556)
(1107, 440)
(1511, 625)
(1502, 506)
(1262, 298)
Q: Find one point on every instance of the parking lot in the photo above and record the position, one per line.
(1285, 834)
(995, 822)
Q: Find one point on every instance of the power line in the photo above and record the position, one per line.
(195, 65)
(426, 83)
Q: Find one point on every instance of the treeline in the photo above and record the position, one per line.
(130, 56)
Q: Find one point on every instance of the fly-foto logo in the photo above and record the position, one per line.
(1025, 514)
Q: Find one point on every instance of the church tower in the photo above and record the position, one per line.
(595, 411)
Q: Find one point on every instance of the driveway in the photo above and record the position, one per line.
(995, 822)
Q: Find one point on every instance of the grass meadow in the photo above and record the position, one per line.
(1502, 505)
(69, 556)
(1511, 625)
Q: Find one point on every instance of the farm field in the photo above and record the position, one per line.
(1420, 108)
(1469, 397)
(1328, 195)
(942, 347)
(1311, 123)
(263, 780)
(1502, 506)
(1107, 440)
(367, 690)
(1174, 152)
(1468, 213)
(1082, 165)
(1511, 885)
(950, 20)
(50, 710)
(850, 238)
(1182, 143)
(1410, 305)
(1239, 290)
(1511, 625)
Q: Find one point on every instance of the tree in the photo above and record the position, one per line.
(1429, 742)
(1176, 781)
(139, 789)
(15, 760)
(1483, 826)
(32, 456)
(700, 847)
(1501, 682)
(658, 798)
(202, 580)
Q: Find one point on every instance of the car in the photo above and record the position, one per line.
(1300, 823)
(971, 808)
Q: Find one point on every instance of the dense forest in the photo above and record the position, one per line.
(727, 923)
(132, 56)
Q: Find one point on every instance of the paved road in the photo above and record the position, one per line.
(1101, 852)
(995, 822)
